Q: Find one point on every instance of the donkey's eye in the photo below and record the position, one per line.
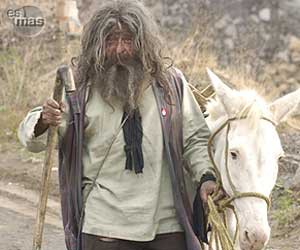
(234, 155)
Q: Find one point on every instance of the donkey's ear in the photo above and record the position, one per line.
(223, 92)
(283, 107)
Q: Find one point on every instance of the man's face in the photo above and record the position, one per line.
(119, 45)
(123, 70)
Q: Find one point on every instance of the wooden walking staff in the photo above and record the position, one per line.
(64, 78)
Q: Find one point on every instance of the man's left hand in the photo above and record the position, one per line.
(208, 188)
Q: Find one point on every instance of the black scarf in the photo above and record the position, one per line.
(133, 135)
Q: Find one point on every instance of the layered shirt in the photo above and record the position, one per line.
(123, 204)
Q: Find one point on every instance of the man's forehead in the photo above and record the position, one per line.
(120, 28)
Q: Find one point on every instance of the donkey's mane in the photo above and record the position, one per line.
(244, 103)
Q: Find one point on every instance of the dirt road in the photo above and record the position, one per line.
(17, 219)
(19, 181)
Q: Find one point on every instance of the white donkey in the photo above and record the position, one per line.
(249, 139)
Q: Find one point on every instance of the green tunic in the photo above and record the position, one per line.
(123, 204)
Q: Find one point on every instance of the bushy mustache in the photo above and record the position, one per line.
(123, 59)
(122, 82)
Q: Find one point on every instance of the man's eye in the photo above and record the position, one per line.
(110, 42)
(127, 40)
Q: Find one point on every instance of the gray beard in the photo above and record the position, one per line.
(122, 83)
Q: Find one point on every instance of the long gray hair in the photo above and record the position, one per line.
(147, 41)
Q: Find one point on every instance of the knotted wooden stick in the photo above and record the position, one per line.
(64, 78)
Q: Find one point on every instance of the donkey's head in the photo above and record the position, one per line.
(252, 147)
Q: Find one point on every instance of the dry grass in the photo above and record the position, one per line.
(195, 54)
(286, 212)
(192, 56)
(27, 74)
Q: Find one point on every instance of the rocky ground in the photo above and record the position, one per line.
(19, 185)
(17, 219)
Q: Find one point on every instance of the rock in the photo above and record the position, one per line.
(265, 14)
(266, 36)
(297, 76)
(295, 4)
(229, 43)
(294, 44)
(294, 48)
(254, 18)
(296, 181)
(222, 23)
(294, 118)
(238, 21)
(281, 13)
(157, 10)
(231, 31)
(288, 68)
(283, 56)
(253, 9)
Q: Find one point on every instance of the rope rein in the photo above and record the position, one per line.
(216, 216)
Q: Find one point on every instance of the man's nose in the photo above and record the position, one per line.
(119, 47)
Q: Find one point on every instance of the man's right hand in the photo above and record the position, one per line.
(51, 115)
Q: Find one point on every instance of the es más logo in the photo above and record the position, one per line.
(27, 20)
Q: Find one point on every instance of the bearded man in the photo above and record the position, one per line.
(126, 145)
